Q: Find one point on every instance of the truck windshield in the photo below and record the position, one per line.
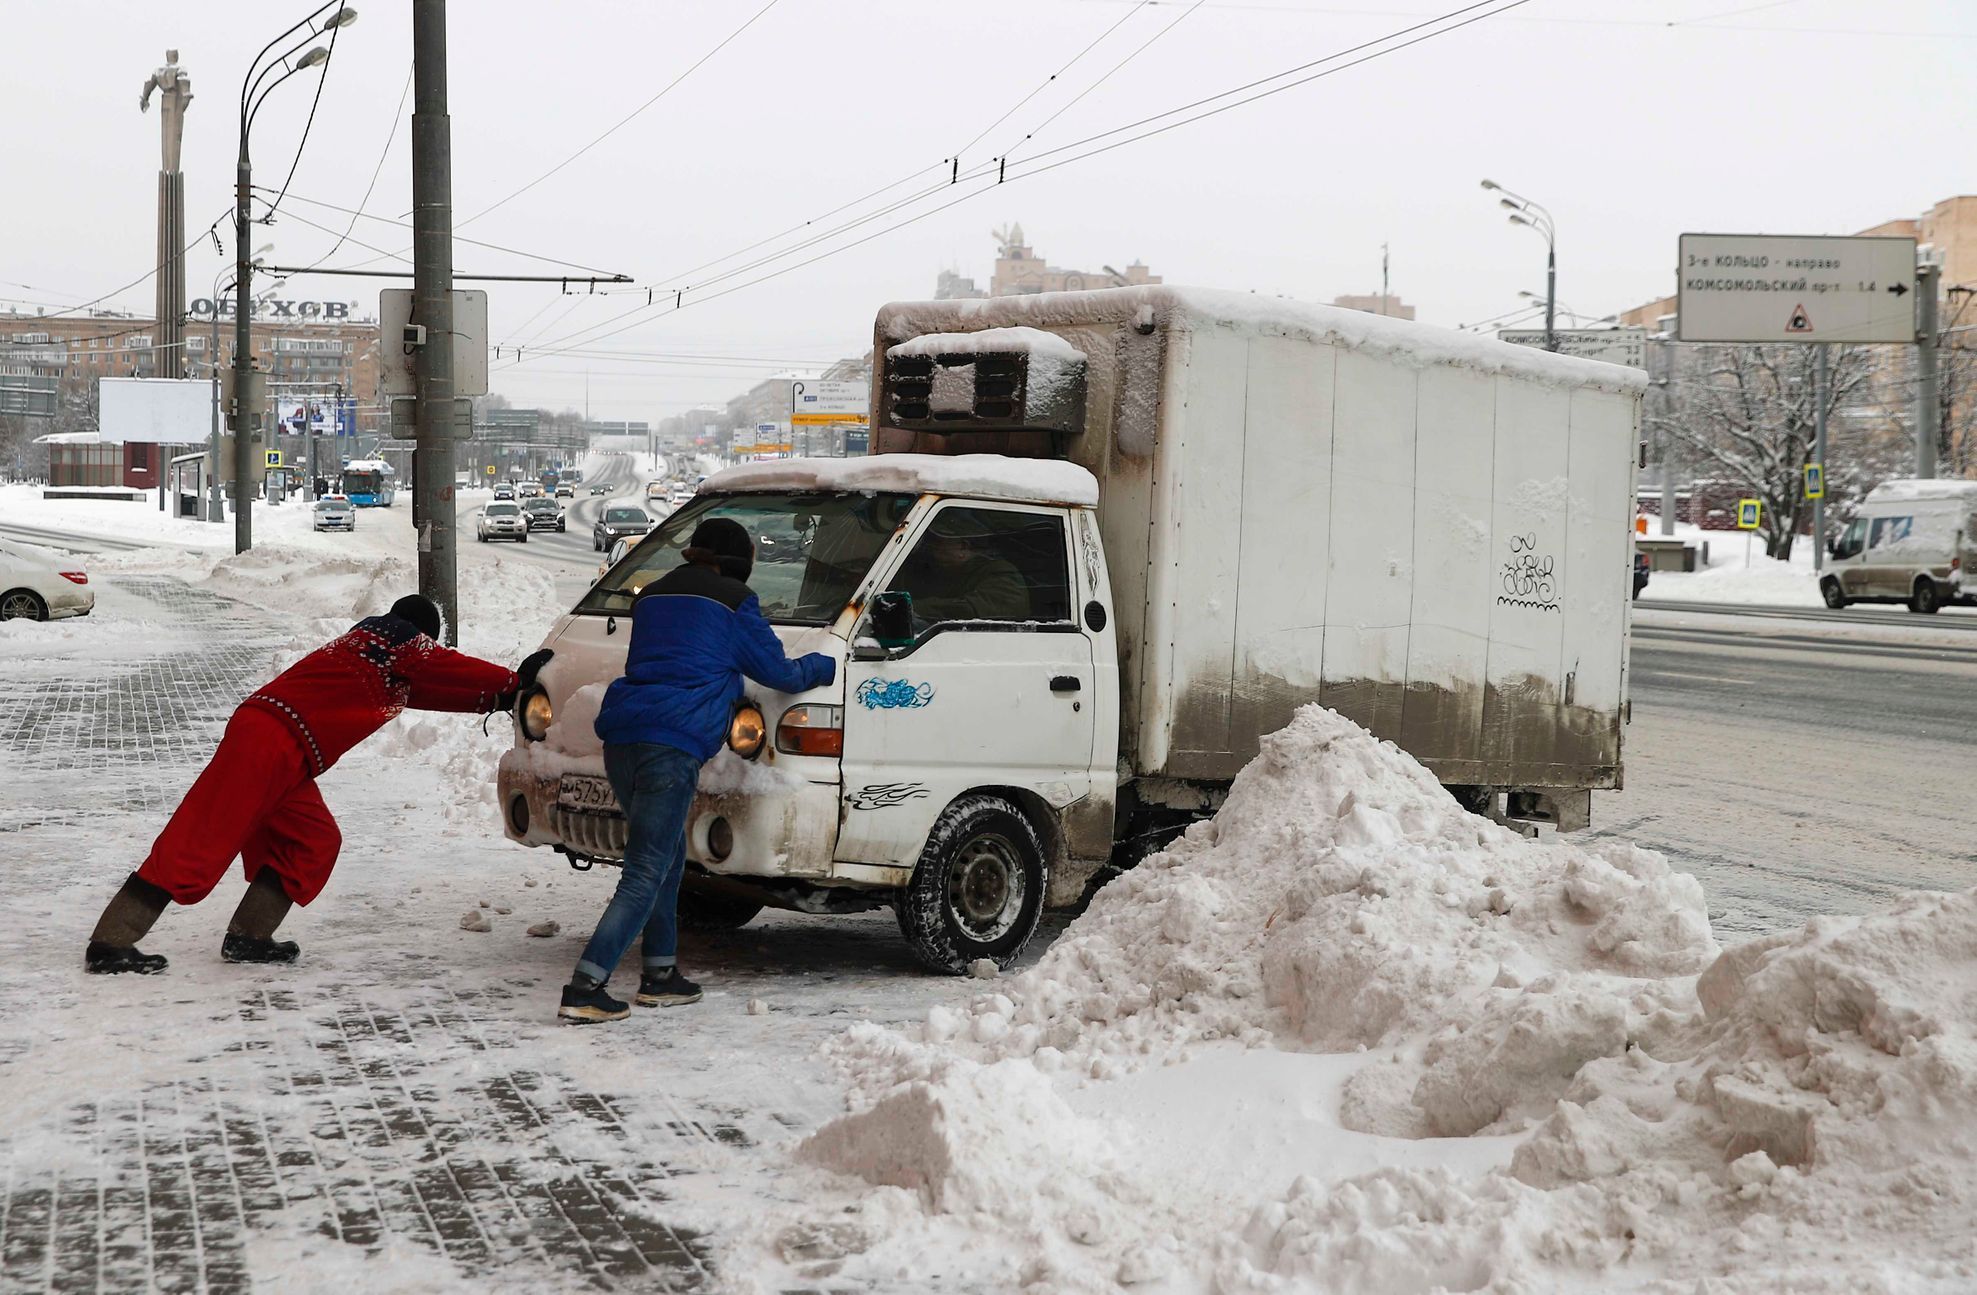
(811, 551)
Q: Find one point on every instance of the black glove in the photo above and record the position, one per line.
(530, 667)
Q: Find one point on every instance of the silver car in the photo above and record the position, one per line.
(335, 513)
(502, 521)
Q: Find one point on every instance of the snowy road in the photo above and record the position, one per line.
(1798, 767)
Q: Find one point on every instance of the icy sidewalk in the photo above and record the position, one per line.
(375, 1115)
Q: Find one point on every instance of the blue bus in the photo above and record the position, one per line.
(369, 483)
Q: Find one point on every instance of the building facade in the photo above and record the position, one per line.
(312, 352)
(1375, 303)
(1019, 271)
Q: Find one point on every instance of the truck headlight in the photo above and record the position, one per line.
(536, 715)
(747, 731)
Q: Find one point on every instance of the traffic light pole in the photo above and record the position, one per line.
(432, 307)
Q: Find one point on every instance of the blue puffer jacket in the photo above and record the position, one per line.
(695, 633)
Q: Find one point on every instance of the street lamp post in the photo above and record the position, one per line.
(1525, 212)
(246, 388)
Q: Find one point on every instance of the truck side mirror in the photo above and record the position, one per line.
(891, 619)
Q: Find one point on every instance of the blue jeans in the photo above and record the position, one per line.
(655, 785)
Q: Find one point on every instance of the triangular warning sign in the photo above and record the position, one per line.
(1800, 322)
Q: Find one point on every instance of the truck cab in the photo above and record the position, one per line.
(974, 707)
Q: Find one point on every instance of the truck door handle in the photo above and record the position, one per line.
(1065, 683)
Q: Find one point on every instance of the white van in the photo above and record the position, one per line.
(1104, 543)
(1913, 541)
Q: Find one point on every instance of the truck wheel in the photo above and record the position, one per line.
(1925, 600)
(1830, 590)
(702, 912)
(978, 889)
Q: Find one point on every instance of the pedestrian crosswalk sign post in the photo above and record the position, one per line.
(1749, 511)
(274, 458)
(1815, 481)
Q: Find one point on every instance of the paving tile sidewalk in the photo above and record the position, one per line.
(391, 1116)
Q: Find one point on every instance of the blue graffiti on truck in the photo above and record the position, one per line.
(893, 694)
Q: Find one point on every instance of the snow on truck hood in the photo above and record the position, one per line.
(980, 476)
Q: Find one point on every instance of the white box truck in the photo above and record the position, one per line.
(1105, 541)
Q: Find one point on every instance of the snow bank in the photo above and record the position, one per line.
(999, 341)
(1557, 1099)
(986, 476)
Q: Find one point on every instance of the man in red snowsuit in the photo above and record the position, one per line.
(257, 798)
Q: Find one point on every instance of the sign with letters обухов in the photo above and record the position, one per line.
(1786, 288)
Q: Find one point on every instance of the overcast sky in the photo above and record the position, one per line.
(1631, 121)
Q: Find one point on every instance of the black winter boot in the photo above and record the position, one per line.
(126, 919)
(249, 936)
(586, 1003)
(666, 988)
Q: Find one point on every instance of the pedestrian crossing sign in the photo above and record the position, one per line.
(1815, 481)
(273, 458)
(1748, 513)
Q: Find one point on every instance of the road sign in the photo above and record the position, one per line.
(490, 469)
(398, 377)
(814, 402)
(1626, 346)
(1749, 514)
(1779, 288)
(1815, 481)
(273, 458)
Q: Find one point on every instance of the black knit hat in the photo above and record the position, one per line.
(725, 543)
(420, 611)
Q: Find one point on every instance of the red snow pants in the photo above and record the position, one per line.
(254, 800)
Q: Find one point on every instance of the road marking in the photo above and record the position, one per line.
(1684, 674)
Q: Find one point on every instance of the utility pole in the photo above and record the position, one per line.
(432, 306)
(1551, 292)
(246, 388)
(1928, 413)
(1821, 384)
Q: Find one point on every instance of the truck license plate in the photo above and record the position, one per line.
(585, 793)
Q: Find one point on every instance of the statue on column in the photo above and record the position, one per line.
(174, 88)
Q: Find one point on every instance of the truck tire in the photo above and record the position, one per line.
(1925, 601)
(978, 889)
(703, 912)
(1830, 590)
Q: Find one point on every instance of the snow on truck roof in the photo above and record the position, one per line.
(980, 476)
(1399, 339)
(1914, 490)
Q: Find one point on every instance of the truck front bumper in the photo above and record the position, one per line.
(784, 834)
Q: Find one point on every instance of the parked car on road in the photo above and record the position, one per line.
(335, 513)
(502, 521)
(38, 585)
(543, 515)
(616, 523)
(1914, 542)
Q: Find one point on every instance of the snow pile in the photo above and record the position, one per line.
(1552, 1094)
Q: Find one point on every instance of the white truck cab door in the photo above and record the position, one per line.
(997, 689)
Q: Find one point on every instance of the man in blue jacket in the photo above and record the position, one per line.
(695, 632)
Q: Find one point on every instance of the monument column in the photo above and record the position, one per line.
(174, 90)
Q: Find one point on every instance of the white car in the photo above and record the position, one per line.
(38, 585)
(335, 513)
(502, 521)
(680, 495)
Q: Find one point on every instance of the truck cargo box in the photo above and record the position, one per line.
(1426, 531)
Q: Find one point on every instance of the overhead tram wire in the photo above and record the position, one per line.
(359, 214)
(1185, 14)
(952, 164)
(197, 239)
(390, 138)
(1378, 47)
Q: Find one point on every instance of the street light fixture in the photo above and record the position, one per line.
(246, 391)
(1525, 212)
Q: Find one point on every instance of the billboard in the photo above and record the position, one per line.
(155, 411)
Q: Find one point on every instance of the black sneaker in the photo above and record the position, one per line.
(666, 988)
(589, 1006)
(112, 959)
(246, 948)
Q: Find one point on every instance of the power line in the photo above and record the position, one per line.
(1378, 47)
(196, 239)
(358, 213)
(390, 138)
(1183, 17)
(310, 124)
(1013, 108)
